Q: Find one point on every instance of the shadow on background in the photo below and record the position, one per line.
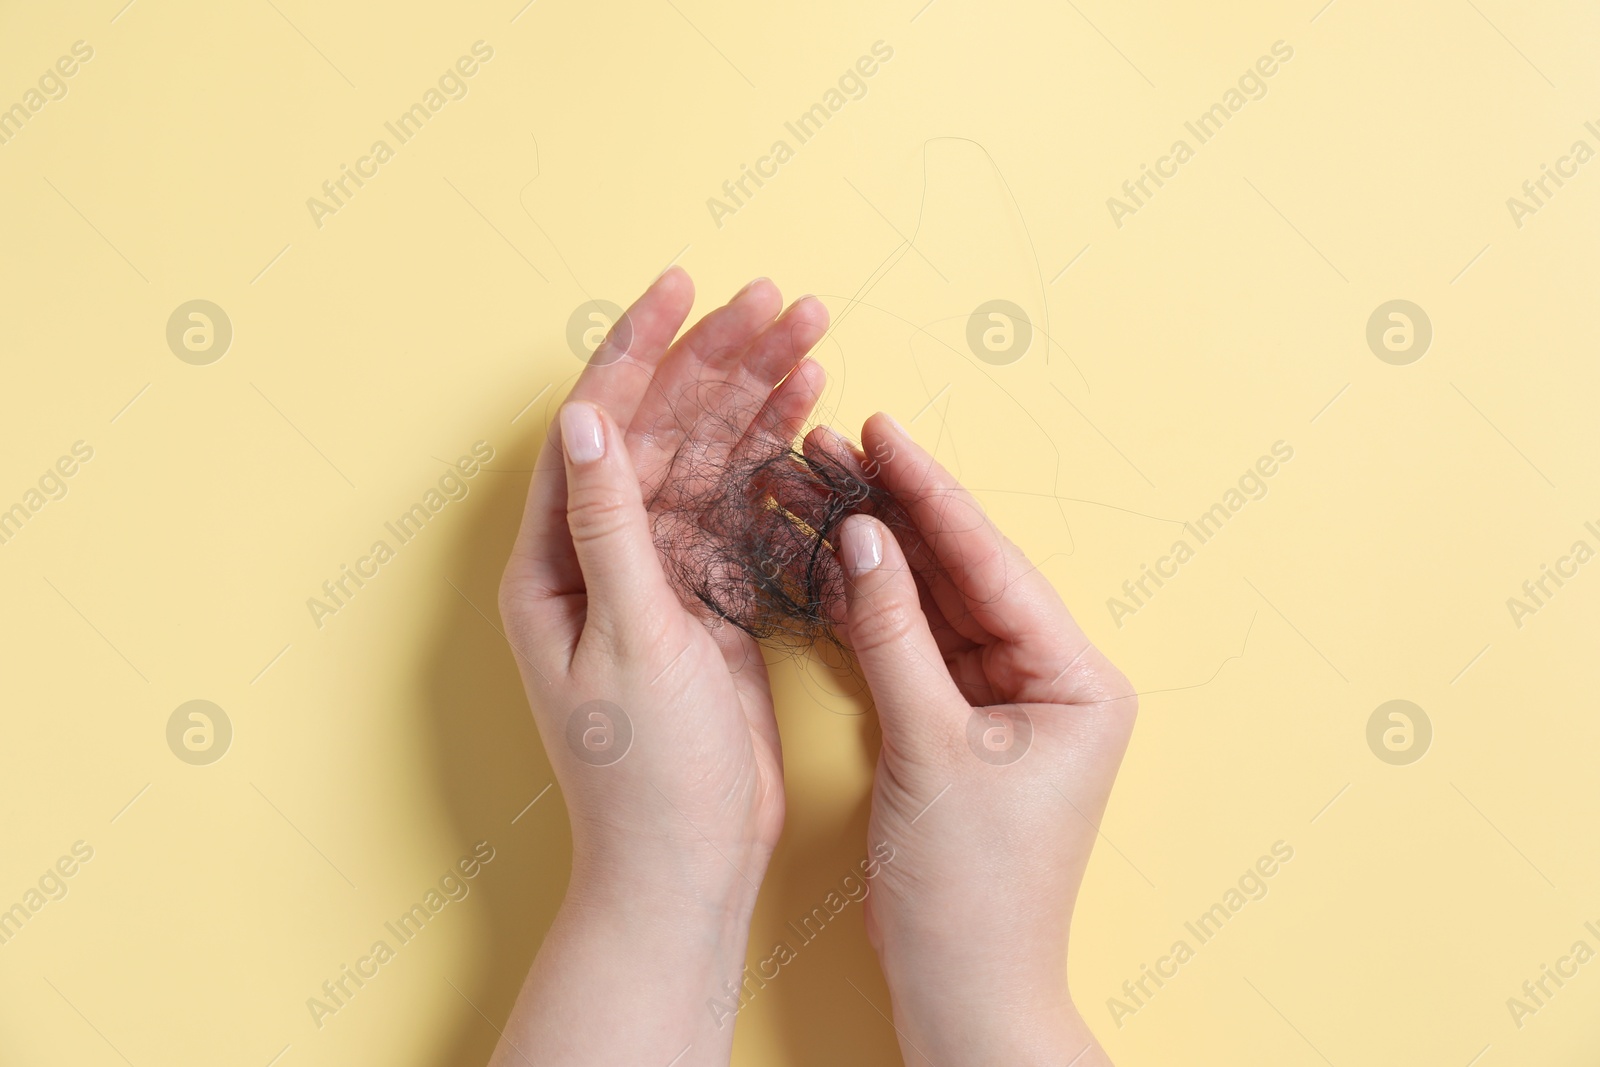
(489, 760)
(822, 1018)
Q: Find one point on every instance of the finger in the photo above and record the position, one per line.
(790, 404)
(824, 446)
(543, 564)
(620, 371)
(997, 582)
(610, 530)
(768, 359)
(817, 507)
(992, 585)
(616, 378)
(700, 359)
(890, 638)
(831, 471)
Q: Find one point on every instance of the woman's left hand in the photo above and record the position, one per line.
(659, 728)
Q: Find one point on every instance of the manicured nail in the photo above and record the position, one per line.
(581, 434)
(863, 545)
(749, 285)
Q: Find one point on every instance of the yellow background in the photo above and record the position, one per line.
(1228, 313)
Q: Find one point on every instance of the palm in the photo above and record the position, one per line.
(737, 378)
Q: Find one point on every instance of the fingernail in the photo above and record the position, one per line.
(863, 545)
(749, 285)
(895, 423)
(581, 434)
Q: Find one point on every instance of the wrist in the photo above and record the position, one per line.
(991, 1001)
(983, 1034)
(620, 938)
(667, 881)
(699, 909)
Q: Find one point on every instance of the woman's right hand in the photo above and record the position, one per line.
(1003, 729)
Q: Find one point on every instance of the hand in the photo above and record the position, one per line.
(1003, 728)
(660, 729)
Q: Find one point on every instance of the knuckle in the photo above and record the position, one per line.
(511, 601)
(878, 625)
(1094, 679)
(523, 592)
(526, 628)
(1120, 692)
(517, 601)
(597, 512)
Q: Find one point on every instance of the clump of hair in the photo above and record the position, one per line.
(751, 535)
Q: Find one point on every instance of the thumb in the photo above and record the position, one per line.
(610, 529)
(889, 634)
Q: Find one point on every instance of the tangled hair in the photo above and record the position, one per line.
(751, 535)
